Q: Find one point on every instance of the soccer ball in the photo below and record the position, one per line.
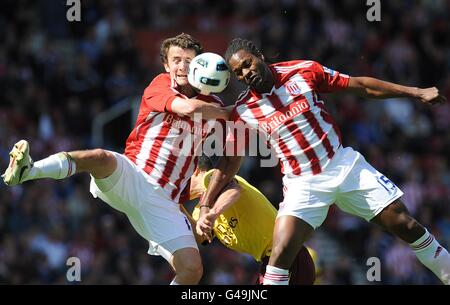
(208, 73)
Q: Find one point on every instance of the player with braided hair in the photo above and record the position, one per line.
(283, 101)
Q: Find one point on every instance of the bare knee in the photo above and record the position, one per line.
(289, 235)
(284, 251)
(406, 228)
(405, 222)
(188, 266)
(192, 270)
(98, 162)
(100, 155)
(396, 219)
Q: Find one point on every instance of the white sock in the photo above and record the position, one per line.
(276, 276)
(57, 166)
(173, 282)
(435, 257)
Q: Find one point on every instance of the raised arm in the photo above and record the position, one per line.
(226, 199)
(229, 196)
(222, 176)
(375, 88)
(209, 111)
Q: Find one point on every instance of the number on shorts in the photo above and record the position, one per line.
(387, 184)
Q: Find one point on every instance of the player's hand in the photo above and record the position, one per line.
(431, 96)
(205, 224)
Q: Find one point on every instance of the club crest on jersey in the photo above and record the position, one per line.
(292, 87)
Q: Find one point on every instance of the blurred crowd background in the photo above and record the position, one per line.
(57, 76)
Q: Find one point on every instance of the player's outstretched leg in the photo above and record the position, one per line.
(98, 162)
(396, 219)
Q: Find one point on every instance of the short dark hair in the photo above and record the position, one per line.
(204, 163)
(184, 41)
(242, 44)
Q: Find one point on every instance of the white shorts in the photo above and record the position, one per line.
(150, 210)
(349, 181)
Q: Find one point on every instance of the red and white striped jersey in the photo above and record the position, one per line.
(164, 144)
(293, 116)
